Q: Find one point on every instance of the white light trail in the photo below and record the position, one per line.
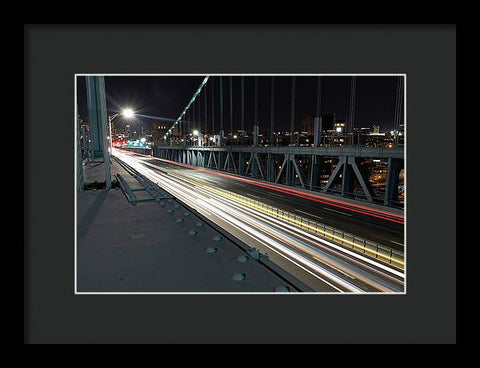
(296, 229)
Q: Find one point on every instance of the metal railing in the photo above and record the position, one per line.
(367, 247)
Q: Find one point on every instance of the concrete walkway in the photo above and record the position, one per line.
(158, 246)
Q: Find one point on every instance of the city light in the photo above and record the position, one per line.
(128, 113)
(195, 132)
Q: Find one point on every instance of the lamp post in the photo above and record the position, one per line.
(197, 134)
(128, 113)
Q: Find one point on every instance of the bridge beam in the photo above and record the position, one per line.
(316, 168)
(230, 163)
(221, 160)
(259, 165)
(97, 114)
(255, 166)
(290, 168)
(347, 178)
(335, 172)
(98, 121)
(262, 164)
(350, 170)
(79, 159)
(355, 151)
(271, 167)
(393, 173)
(299, 173)
(367, 190)
(241, 163)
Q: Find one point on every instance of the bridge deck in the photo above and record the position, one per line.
(148, 247)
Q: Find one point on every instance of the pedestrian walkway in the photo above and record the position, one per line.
(161, 246)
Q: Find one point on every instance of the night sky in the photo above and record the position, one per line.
(164, 97)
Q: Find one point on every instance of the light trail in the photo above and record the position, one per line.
(190, 197)
(343, 270)
(355, 207)
(225, 194)
(312, 245)
(285, 225)
(310, 214)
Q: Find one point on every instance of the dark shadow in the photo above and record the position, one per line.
(84, 223)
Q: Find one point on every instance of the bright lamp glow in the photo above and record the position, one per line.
(143, 140)
(195, 132)
(128, 113)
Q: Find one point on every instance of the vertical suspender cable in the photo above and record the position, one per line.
(272, 106)
(213, 107)
(194, 118)
(206, 113)
(256, 101)
(292, 111)
(319, 96)
(351, 123)
(231, 105)
(242, 102)
(398, 105)
(221, 103)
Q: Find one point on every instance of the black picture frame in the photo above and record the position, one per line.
(54, 53)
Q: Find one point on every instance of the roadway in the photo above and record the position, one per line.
(321, 264)
(383, 226)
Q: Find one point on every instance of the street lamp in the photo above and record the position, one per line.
(128, 113)
(196, 133)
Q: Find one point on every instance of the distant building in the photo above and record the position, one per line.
(307, 125)
(144, 131)
(327, 122)
(339, 126)
(127, 131)
(159, 130)
(364, 131)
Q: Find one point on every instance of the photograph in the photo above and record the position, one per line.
(240, 183)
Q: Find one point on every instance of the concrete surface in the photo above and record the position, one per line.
(157, 246)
